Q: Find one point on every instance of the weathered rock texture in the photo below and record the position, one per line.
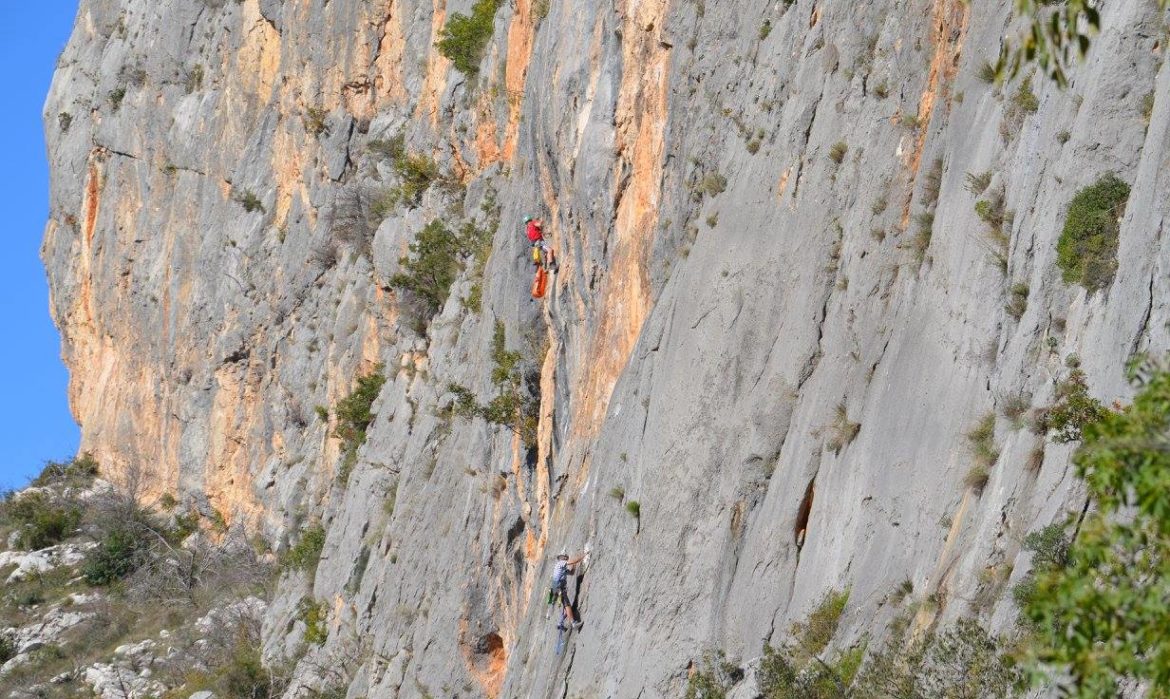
(729, 298)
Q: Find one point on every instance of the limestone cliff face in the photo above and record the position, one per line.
(740, 193)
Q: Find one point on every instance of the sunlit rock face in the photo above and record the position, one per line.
(777, 316)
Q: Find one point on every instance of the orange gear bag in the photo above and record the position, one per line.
(539, 283)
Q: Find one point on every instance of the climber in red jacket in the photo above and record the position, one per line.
(542, 252)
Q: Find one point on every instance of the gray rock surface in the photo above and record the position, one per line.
(730, 298)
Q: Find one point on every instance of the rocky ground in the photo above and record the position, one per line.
(80, 619)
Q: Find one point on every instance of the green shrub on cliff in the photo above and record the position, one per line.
(313, 615)
(307, 552)
(1074, 410)
(435, 259)
(355, 411)
(429, 269)
(517, 401)
(1087, 250)
(465, 37)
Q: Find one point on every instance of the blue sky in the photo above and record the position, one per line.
(35, 423)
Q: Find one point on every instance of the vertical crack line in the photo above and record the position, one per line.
(1145, 321)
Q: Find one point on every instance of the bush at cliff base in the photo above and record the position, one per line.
(1100, 619)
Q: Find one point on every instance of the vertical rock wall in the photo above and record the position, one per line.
(738, 192)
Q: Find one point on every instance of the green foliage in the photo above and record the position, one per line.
(134, 75)
(1087, 250)
(517, 401)
(712, 184)
(245, 677)
(465, 37)
(417, 173)
(307, 552)
(184, 525)
(991, 210)
(982, 441)
(392, 148)
(765, 29)
(712, 677)
(797, 670)
(1101, 617)
(789, 674)
(1051, 547)
(430, 268)
(905, 589)
(977, 478)
(1073, 411)
(1054, 36)
(1015, 406)
(40, 519)
(634, 508)
(986, 72)
(961, 661)
(932, 183)
(116, 96)
(505, 362)
(837, 152)
(315, 120)
(218, 522)
(79, 472)
(436, 258)
(777, 676)
(313, 614)
(1023, 102)
(322, 413)
(477, 244)
(354, 412)
(1017, 301)
(921, 241)
(7, 648)
(978, 182)
(121, 550)
(239, 674)
(248, 199)
(386, 203)
(815, 633)
(1024, 99)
